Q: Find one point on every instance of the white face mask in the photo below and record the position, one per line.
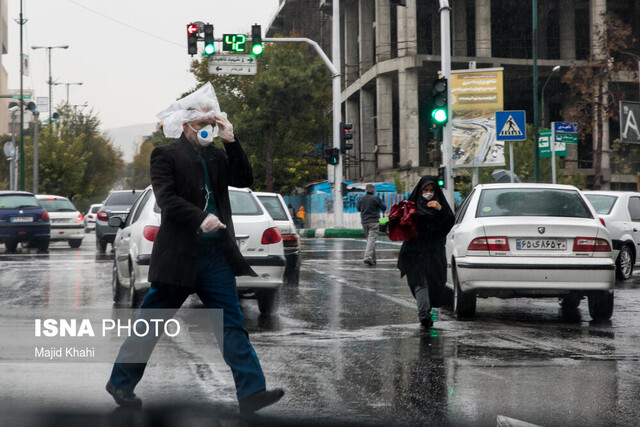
(205, 135)
(427, 196)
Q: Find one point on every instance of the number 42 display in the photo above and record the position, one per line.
(234, 42)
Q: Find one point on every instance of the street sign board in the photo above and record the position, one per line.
(511, 126)
(562, 139)
(565, 127)
(24, 96)
(233, 64)
(630, 122)
(42, 104)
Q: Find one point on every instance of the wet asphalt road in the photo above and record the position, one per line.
(346, 346)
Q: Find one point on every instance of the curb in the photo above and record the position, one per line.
(319, 233)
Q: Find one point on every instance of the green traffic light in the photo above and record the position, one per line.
(209, 49)
(257, 49)
(441, 183)
(439, 115)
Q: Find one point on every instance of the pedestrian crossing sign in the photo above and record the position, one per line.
(511, 126)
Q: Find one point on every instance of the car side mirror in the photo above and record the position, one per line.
(116, 221)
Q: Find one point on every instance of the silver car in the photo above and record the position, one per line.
(620, 212)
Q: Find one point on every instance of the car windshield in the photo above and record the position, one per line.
(532, 202)
(243, 203)
(601, 203)
(18, 201)
(274, 207)
(125, 198)
(57, 205)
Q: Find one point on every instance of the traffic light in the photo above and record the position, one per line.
(332, 156)
(345, 136)
(209, 47)
(256, 40)
(441, 176)
(192, 38)
(440, 110)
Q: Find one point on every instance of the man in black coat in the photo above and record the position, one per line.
(195, 249)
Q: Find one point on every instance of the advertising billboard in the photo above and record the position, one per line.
(476, 95)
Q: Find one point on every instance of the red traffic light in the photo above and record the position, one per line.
(192, 28)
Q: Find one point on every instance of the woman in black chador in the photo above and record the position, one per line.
(423, 258)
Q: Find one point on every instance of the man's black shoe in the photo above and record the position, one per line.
(259, 400)
(427, 322)
(124, 398)
(368, 262)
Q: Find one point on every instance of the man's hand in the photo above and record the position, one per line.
(225, 128)
(211, 223)
(434, 204)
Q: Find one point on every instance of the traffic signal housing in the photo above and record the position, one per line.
(209, 47)
(256, 40)
(441, 176)
(192, 38)
(440, 103)
(332, 156)
(345, 136)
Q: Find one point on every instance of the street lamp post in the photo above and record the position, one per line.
(67, 85)
(554, 71)
(50, 79)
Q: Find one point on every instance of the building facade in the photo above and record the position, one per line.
(391, 56)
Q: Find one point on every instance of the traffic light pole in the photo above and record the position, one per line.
(445, 58)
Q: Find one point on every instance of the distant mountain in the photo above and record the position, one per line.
(128, 138)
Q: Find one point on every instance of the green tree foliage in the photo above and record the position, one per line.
(139, 175)
(75, 159)
(279, 114)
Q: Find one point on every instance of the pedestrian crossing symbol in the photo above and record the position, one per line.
(510, 126)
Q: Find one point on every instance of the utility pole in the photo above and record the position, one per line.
(337, 115)
(534, 50)
(21, 22)
(445, 65)
(36, 119)
(50, 79)
(67, 85)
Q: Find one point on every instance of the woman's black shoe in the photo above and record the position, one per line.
(124, 398)
(260, 400)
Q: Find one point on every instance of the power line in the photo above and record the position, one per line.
(131, 27)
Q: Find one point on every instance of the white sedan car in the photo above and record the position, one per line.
(529, 240)
(67, 223)
(620, 211)
(256, 233)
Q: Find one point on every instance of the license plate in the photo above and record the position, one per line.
(541, 244)
(22, 219)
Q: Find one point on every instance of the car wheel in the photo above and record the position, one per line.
(75, 243)
(293, 278)
(11, 245)
(464, 303)
(268, 300)
(570, 301)
(43, 245)
(115, 283)
(601, 305)
(624, 263)
(135, 297)
(101, 246)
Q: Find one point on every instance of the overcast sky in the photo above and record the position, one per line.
(130, 55)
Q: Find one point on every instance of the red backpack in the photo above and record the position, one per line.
(402, 225)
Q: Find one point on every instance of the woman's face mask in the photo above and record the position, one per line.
(205, 135)
(427, 196)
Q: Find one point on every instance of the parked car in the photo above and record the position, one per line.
(530, 240)
(620, 211)
(90, 217)
(275, 205)
(22, 219)
(117, 204)
(258, 237)
(67, 223)
(132, 248)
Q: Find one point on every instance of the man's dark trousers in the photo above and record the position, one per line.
(217, 289)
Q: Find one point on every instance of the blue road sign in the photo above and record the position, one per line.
(511, 126)
(565, 127)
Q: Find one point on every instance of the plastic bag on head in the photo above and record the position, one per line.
(201, 104)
